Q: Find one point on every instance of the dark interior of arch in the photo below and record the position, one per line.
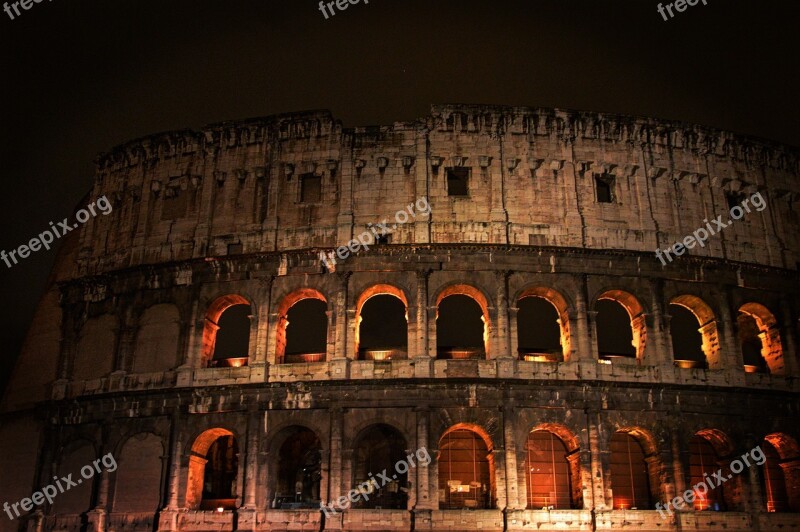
(308, 327)
(750, 342)
(459, 325)
(687, 342)
(221, 470)
(538, 330)
(614, 333)
(383, 323)
(233, 336)
(299, 471)
(381, 448)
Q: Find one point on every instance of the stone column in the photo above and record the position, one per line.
(195, 336)
(787, 327)
(251, 467)
(513, 332)
(512, 482)
(600, 460)
(340, 318)
(583, 330)
(731, 356)
(680, 462)
(422, 486)
(335, 475)
(422, 354)
(168, 516)
(502, 346)
(260, 331)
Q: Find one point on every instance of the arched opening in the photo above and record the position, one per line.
(213, 471)
(306, 331)
(77, 499)
(382, 328)
(760, 340)
(466, 470)
(552, 473)
(687, 342)
(380, 448)
(139, 475)
(299, 470)
(630, 474)
(539, 330)
(96, 345)
(781, 473)
(614, 332)
(460, 328)
(693, 328)
(703, 463)
(157, 339)
(232, 346)
(226, 335)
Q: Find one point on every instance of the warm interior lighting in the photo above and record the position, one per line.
(687, 364)
(751, 369)
(220, 509)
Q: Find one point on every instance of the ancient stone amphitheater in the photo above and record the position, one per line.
(243, 367)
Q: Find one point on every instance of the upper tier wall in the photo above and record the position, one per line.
(235, 187)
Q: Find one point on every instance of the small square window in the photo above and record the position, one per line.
(235, 249)
(310, 188)
(733, 199)
(604, 185)
(458, 181)
(383, 239)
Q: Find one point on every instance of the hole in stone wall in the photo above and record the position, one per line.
(630, 481)
(614, 332)
(460, 328)
(307, 331)
(687, 341)
(383, 329)
(232, 345)
(538, 330)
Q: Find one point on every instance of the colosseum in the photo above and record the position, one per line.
(458, 323)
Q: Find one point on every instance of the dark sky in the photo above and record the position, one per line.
(81, 77)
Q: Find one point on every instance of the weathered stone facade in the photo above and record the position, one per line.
(118, 356)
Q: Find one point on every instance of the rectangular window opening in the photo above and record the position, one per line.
(604, 185)
(458, 181)
(310, 188)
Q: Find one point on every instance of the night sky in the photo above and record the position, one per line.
(81, 77)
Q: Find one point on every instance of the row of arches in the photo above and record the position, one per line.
(464, 466)
(543, 327)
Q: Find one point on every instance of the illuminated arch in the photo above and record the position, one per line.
(558, 301)
(708, 450)
(635, 312)
(479, 298)
(768, 334)
(471, 486)
(197, 466)
(641, 465)
(781, 473)
(366, 295)
(708, 327)
(284, 306)
(560, 470)
(213, 313)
